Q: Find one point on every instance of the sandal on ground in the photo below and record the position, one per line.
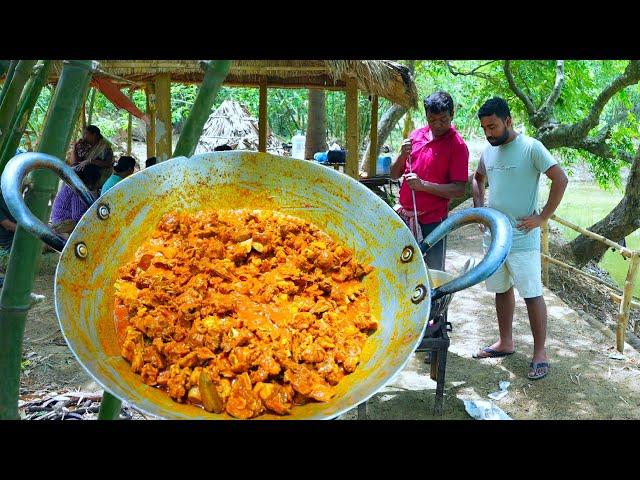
(492, 353)
(538, 370)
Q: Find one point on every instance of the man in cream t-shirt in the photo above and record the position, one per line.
(513, 164)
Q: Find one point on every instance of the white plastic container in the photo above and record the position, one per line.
(297, 145)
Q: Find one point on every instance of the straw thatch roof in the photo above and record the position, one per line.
(232, 124)
(375, 77)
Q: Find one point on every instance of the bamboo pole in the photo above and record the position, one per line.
(618, 298)
(151, 126)
(577, 270)
(545, 251)
(623, 318)
(215, 74)
(162, 83)
(12, 97)
(25, 253)
(351, 164)
(30, 96)
(262, 118)
(7, 80)
(129, 134)
(130, 127)
(623, 250)
(373, 138)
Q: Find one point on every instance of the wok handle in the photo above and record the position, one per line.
(16, 169)
(501, 236)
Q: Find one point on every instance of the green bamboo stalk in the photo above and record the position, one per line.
(91, 100)
(30, 96)
(12, 97)
(109, 407)
(26, 249)
(7, 81)
(214, 75)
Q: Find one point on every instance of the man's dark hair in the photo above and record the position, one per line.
(124, 163)
(89, 173)
(439, 102)
(495, 106)
(150, 162)
(222, 148)
(95, 130)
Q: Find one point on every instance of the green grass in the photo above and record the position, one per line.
(584, 204)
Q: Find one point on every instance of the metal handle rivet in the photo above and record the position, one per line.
(103, 212)
(407, 254)
(81, 250)
(419, 294)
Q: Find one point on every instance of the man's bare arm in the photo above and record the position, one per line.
(8, 225)
(559, 182)
(478, 184)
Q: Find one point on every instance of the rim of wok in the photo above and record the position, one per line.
(295, 164)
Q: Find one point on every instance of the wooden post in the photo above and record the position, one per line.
(163, 128)
(545, 250)
(627, 294)
(351, 164)
(129, 134)
(263, 120)
(151, 126)
(373, 138)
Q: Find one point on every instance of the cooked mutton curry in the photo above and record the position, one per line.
(242, 311)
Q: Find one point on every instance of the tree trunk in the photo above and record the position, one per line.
(316, 140)
(620, 222)
(386, 124)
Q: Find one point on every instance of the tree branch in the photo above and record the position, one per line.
(601, 149)
(557, 88)
(630, 76)
(528, 104)
(474, 72)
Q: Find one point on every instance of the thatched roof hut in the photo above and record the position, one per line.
(231, 124)
(375, 77)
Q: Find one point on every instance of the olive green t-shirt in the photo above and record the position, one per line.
(513, 171)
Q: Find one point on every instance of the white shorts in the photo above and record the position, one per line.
(522, 270)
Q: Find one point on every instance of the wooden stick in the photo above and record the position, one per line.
(262, 120)
(618, 299)
(623, 250)
(373, 138)
(623, 318)
(545, 251)
(351, 166)
(577, 270)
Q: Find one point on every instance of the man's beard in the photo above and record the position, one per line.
(496, 142)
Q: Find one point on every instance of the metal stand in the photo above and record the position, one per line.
(437, 346)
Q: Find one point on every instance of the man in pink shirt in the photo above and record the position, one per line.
(434, 164)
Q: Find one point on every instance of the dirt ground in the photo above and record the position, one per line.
(584, 383)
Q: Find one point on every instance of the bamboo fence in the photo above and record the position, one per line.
(625, 301)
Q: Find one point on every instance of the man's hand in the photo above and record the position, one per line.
(529, 223)
(405, 149)
(414, 182)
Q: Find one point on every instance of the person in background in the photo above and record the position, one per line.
(222, 148)
(94, 149)
(68, 207)
(7, 225)
(151, 161)
(513, 163)
(439, 160)
(124, 167)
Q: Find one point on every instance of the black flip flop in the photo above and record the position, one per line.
(534, 367)
(492, 353)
